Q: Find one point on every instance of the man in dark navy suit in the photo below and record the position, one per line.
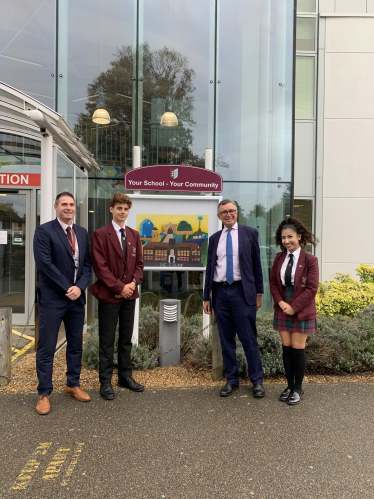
(62, 258)
(234, 287)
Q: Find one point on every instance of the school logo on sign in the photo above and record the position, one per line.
(174, 173)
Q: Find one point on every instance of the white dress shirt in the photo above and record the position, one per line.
(76, 254)
(220, 269)
(117, 228)
(296, 255)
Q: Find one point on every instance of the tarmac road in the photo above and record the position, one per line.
(190, 444)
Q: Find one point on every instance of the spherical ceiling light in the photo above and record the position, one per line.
(169, 119)
(101, 117)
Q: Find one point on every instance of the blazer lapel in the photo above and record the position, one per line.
(215, 246)
(113, 238)
(62, 235)
(300, 267)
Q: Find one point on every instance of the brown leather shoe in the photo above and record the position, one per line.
(43, 406)
(77, 393)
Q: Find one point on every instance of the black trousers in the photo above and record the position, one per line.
(109, 315)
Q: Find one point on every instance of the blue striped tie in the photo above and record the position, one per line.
(229, 259)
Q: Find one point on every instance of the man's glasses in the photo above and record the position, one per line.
(227, 212)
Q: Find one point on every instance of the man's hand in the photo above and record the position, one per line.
(73, 293)
(127, 291)
(206, 307)
(258, 302)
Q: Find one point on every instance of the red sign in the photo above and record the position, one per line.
(173, 178)
(25, 179)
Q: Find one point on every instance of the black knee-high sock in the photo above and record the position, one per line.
(288, 366)
(299, 362)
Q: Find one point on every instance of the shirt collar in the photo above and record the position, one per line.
(117, 228)
(63, 225)
(235, 227)
(296, 253)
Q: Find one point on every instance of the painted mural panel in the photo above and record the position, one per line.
(173, 240)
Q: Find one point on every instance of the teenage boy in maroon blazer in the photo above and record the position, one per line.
(117, 261)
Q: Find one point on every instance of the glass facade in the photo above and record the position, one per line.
(224, 67)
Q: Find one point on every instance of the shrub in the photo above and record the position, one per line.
(344, 296)
(143, 357)
(366, 273)
(149, 326)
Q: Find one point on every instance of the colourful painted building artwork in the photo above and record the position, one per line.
(173, 240)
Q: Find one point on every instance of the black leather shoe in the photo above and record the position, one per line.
(130, 383)
(295, 398)
(228, 389)
(106, 391)
(258, 390)
(284, 395)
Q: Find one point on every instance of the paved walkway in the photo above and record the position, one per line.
(191, 444)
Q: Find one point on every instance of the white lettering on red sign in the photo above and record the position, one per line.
(14, 179)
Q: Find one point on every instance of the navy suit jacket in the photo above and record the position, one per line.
(249, 263)
(55, 263)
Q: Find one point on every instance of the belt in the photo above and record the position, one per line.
(225, 283)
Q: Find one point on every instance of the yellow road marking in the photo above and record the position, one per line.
(30, 467)
(72, 465)
(14, 331)
(56, 464)
(23, 350)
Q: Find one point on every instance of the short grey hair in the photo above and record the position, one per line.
(226, 201)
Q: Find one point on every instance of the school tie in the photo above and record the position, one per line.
(123, 240)
(229, 259)
(288, 273)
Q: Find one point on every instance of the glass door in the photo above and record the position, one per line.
(15, 248)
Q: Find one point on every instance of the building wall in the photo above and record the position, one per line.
(347, 195)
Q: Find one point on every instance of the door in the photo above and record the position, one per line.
(16, 228)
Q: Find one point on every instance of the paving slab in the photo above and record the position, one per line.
(190, 444)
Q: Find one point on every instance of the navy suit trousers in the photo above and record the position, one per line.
(235, 316)
(72, 314)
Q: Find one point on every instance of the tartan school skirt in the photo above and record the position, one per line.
(283, 322)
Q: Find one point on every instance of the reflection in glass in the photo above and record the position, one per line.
(99, 41)
(304, 87)
(306, 34)
(20, 152)
(176, 60)
(27, 41)
(263, 207)
(64, 174)
(303, 210)
(12, 254)
(254, 107)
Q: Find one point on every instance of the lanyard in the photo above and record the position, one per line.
(72, 244)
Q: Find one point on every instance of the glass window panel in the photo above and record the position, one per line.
(12, 254)
(303, 210)
(306, 5)
(254, 106)
(97, 38)
(27, 43)
(262, 206)
(177, 63)
(19, 154)
(306, 34)
(81, 198)
(64, 176)
(304, 87)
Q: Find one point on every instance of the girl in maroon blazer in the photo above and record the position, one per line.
(294, 282)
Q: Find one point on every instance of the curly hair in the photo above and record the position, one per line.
(120, 198)
(296, 226)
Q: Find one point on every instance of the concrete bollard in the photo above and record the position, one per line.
(170, 332)
(5, 345)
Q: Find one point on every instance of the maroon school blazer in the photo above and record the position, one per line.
(305, 286)
(109, 264)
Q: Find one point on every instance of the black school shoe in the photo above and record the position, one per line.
(258, 390)
(284, 396)
(106, 391)
(295, 398)
(228, 389)
(130, 383)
